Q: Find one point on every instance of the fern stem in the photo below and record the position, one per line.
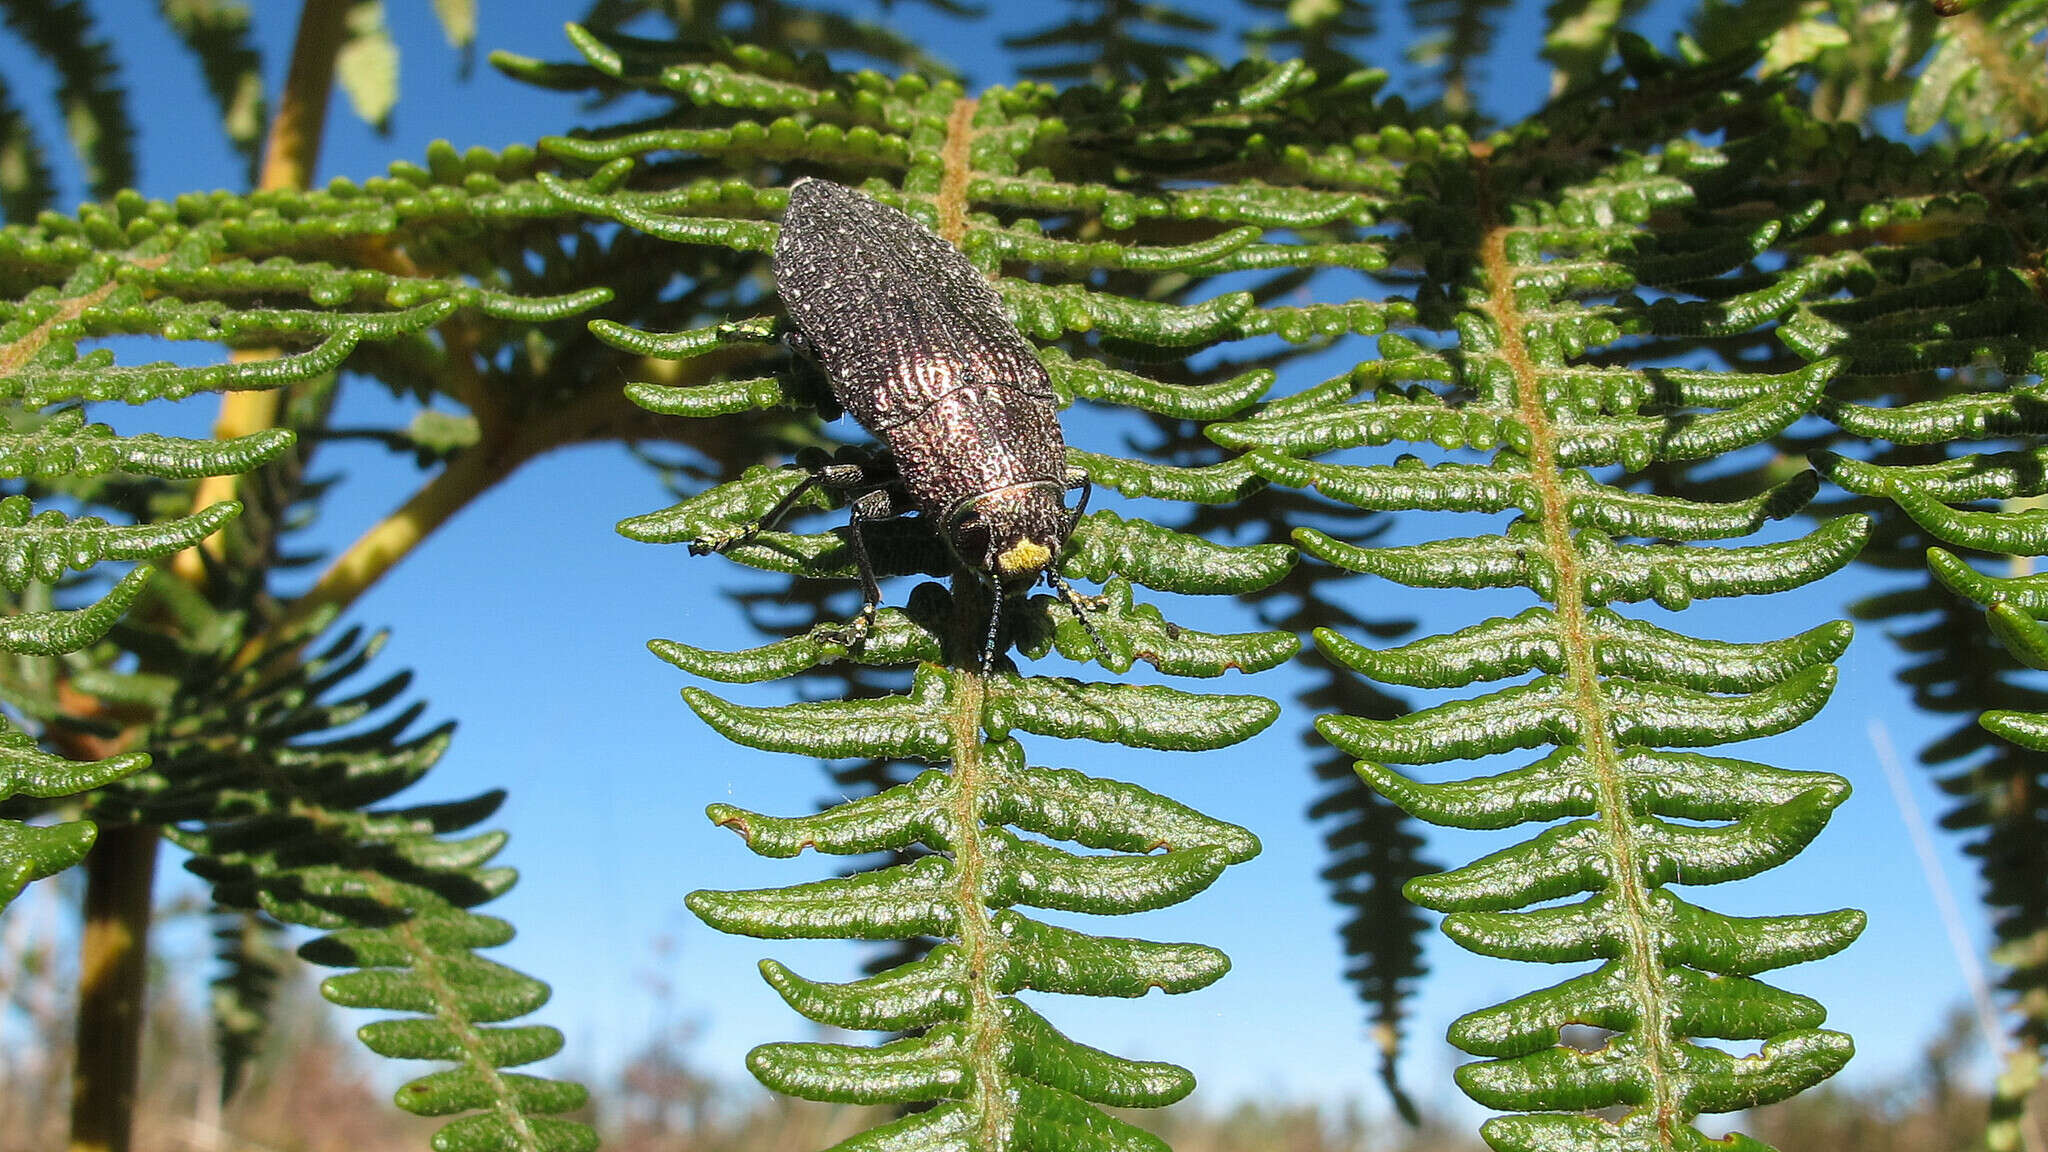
(426, 965)
(113, 971)
(958, 158)
(18, 354)
(984, 1023)
(293, 147)
(1581, 670)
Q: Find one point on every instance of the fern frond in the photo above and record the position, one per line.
(107, 272)
(258, 272)
(366, 65)
(1977, 69)
(1002, 1076)
(1326, 36)
(1958, 668)
(421, 279)
(1373, 848)
(1580, 34)
(1453, 38)
(247, 949)
(30, 852)
(281, 814)
(40, 549)
(1988, 77)
(1551, 278)
(1958, 665)
(781, 25)
(243, 273)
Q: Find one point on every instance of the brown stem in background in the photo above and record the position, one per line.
(293, 147)
(114, 942)
(289, 154)
(118, 897)
(113, 966)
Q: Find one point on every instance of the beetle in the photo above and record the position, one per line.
(915, 346)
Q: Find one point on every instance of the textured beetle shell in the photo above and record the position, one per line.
(918, 349)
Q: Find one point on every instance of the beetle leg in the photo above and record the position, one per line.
(835, 476)
(870, 506)
(808, 371)
(1076, 478)
(877, 470)
(1080, 606)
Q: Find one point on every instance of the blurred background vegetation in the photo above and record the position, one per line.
(312, 1090)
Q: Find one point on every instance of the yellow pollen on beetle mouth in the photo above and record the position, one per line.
(1021, 557)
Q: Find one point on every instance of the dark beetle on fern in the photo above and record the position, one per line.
(916, 346)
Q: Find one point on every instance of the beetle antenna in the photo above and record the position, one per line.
(995, 621)
(995, 609)
(1073, 600)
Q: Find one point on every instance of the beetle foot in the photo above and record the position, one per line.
(720, 541)
(852, 635)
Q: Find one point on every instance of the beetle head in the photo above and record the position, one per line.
(1010, 536)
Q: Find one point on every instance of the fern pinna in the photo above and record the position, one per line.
(1532, 260)
(276, 809)
(1066, 186)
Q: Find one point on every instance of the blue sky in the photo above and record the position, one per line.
(526, 617)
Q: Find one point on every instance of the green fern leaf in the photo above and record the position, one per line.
(247, 947)
(1985, 76)
(189, 270)
(1530, 247)
(29, 852)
